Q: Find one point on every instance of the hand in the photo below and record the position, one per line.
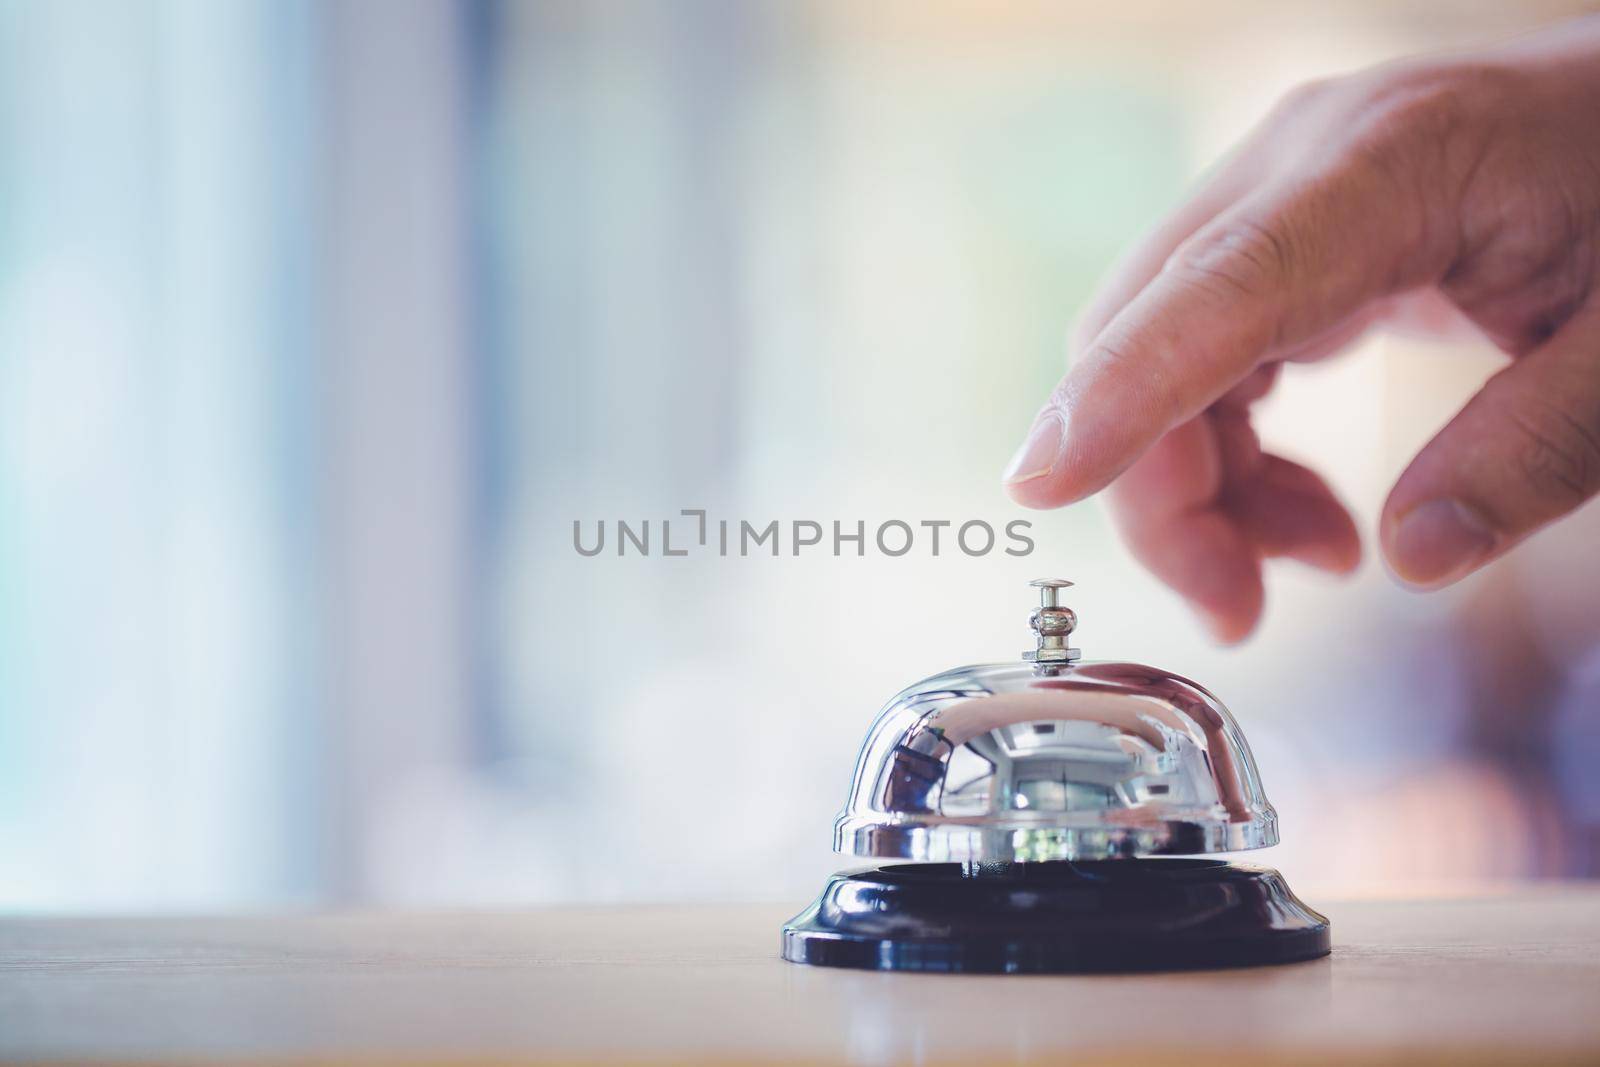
(1454, 191)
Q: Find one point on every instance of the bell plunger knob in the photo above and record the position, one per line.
(1052, 623)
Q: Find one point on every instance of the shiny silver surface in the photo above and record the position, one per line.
(1054, 761)
(1052, 623)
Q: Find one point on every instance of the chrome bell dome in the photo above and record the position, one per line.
(1054, 758)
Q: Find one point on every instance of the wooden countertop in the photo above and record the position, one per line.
(1504, 979)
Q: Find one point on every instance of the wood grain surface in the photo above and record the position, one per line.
(1505, 979)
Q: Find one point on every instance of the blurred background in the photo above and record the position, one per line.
(320, 323)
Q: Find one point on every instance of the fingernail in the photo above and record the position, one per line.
(1037, 456)
(1438, 542)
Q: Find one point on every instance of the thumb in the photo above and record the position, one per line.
(1525, 450)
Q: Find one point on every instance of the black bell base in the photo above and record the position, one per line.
(1056, 918)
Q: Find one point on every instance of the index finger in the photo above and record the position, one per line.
(1274, 270)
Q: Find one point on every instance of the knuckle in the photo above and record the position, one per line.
(1403, 110)
(1558, 452)
(1240, 257)
(1305, 97)
(1403, 107)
